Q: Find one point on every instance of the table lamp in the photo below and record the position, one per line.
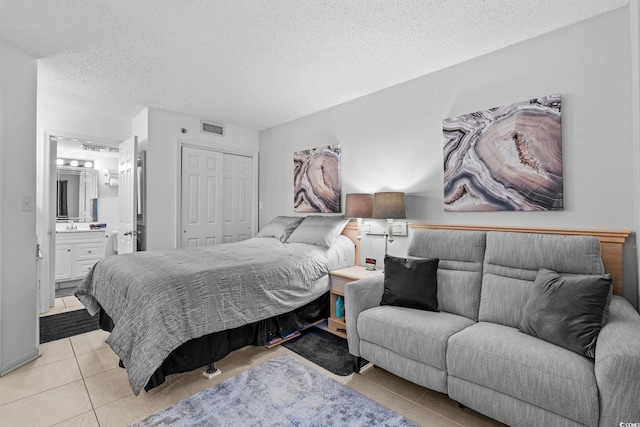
(358, 206)
(389, 206)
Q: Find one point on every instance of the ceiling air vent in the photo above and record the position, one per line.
(212, 128)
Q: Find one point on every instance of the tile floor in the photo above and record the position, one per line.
(77, 382)
(64, 304)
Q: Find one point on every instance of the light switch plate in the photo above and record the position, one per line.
(382, 228)
(399, 228)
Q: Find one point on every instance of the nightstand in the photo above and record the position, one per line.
(339, 278)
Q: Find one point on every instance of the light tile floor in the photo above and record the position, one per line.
(64, 304)
(77, 382)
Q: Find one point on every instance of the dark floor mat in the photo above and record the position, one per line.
(324, 349)
(64, 325)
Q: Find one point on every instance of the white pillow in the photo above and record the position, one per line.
(280, 227)
(318, 230)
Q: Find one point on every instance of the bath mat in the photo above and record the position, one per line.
(324, 349)
(64, 325)
(280, 392)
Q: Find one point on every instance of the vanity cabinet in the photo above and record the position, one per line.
(64, 262)
(76, 252)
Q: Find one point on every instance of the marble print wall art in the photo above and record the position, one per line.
(505, 159)
(316, 179)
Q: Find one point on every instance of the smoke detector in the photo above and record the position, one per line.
(211, 128)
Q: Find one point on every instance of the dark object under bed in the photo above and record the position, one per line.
(208, 349)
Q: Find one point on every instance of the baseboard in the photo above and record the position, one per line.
(22, 360)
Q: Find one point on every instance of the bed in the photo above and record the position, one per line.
(175, 310)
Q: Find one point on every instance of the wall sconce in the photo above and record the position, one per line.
(389, 206)
(359, 205)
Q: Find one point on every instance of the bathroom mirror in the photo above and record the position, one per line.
(77, 194)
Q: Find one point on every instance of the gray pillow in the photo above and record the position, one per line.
(567, 310)
(318, 230)
(280, 227)
(411, 283)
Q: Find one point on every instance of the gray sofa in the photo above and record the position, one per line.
(472, 350)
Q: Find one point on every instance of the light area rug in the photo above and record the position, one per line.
(280, 392)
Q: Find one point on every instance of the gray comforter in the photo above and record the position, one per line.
(160, 299)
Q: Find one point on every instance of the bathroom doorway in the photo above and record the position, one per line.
(80, 201)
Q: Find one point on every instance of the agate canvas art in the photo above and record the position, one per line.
(507, 158)
(316, 179)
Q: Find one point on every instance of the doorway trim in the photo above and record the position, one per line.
(1, 215)
(45, 204)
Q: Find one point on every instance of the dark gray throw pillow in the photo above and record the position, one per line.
(411, 283)
(567, 310)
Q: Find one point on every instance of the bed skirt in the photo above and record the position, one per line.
(208, 349)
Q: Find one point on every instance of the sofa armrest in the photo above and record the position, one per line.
(359, 296)
(617, 365)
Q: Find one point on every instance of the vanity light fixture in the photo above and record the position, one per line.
(75, 163)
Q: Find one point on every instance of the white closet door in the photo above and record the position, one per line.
(238, 195)
(201, 216)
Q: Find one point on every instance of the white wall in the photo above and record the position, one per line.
(392, 139)
(82, 123)
(161, 141)
(634, 18)
(18, 288)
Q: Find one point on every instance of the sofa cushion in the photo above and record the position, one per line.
(461, 254)
(504, 408)
(417, 334)
(511, 264)
(567, 310)
(526, 368)
(410, 283)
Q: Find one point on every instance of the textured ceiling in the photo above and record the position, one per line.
(259, 63)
